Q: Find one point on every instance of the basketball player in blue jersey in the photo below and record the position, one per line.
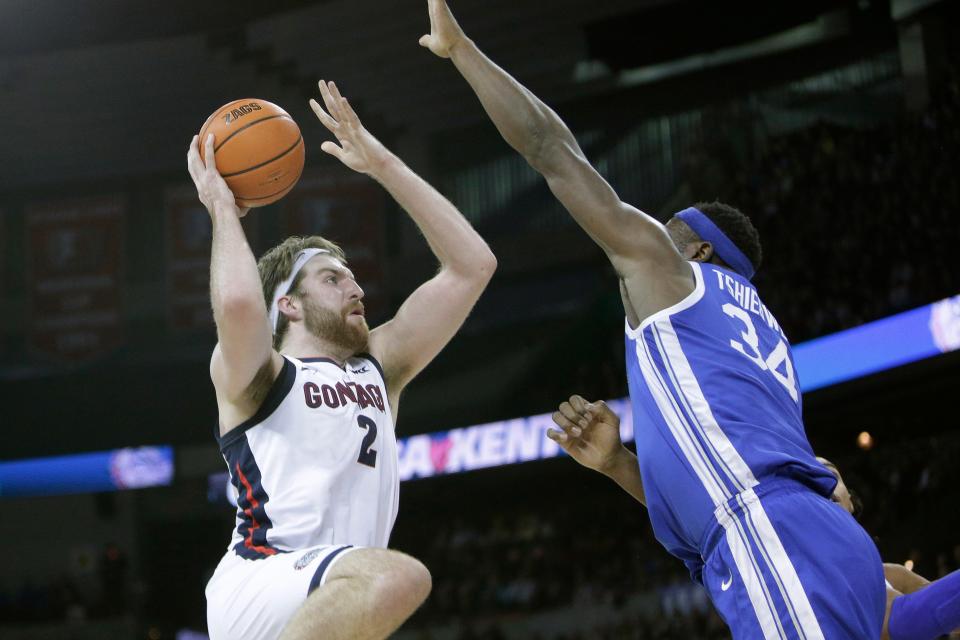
(730, 481)
(307, 399)
(590, 433)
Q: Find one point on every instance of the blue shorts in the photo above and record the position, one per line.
(786, 563)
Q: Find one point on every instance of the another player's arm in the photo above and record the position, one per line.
(430, 317)
(590, 433)
(245, 344)
(926, 610)
(632, 240)
(902, 579)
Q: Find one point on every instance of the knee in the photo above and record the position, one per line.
(405, 582)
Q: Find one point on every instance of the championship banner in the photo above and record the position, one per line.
(189, 234)
(75, 276)
(348, 210)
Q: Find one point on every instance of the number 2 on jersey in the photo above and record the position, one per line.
(773, 361)
(367, 456)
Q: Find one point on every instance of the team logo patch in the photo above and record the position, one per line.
(306, 559)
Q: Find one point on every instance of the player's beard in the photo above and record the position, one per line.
(333, 327)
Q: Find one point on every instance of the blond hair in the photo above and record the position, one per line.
(275, 265)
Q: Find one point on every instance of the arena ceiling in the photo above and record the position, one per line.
(102, 89)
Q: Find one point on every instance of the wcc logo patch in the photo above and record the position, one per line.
(306, 559)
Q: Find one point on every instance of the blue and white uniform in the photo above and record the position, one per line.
(732, 485)
(315, 472)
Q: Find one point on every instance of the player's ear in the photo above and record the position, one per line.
(699, 251)
(290, 307)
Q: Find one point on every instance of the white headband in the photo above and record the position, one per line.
(284, 287)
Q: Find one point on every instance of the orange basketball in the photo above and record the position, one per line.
(259, 150)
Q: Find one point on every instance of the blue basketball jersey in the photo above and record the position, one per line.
(717, 409)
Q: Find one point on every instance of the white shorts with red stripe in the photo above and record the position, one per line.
(255, 599)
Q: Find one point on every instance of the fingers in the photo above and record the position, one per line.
(557, 436)
(332, 149)
(323, 116)
(209, 156)
(194, 164)
(578, 403)
(602, 411)
(346, 111)
(574, 416)
(329, 101)
(568, 444)
(570, 427)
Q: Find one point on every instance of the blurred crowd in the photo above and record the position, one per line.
(856, 224)
(94, 586)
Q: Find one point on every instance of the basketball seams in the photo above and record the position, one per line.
(276, 194)
(250, 124)
(291, 148)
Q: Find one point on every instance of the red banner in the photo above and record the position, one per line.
(75, 276)
(349, 211)
(188, 240)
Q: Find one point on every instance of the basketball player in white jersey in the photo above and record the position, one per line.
(307, 399)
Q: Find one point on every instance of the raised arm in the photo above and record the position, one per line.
(590, 433)
(630, 238)
(430, 317)
(244, 347)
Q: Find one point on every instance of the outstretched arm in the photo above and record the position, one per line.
(590, 433)
(929, 612)
(432, 314)
(244, 347)
(630, 238)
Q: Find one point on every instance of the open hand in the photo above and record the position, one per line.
(589, 432)
(211, 187)
(445, 33)
(358, 149)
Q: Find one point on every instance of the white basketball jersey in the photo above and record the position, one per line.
(317, 463)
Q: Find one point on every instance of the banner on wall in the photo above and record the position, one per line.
(114, 470)
(189, 234)
(75, 276)
(348, 210)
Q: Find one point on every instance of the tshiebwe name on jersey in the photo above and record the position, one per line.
(317, 395)
(748, 299)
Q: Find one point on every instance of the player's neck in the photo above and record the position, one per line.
(303, 345)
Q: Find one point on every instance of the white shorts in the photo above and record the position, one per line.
(255, 599)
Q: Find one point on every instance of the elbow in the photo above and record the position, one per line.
(487, 265)
(531, 134)
(547, 138)
(477, 271)
(550, 154)
(234, 307)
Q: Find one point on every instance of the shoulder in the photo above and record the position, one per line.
(262, 397)
(668, 295)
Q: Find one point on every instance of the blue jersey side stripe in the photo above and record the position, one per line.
(692, 450)
(735, 486)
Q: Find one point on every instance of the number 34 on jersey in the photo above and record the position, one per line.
(777, 361)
